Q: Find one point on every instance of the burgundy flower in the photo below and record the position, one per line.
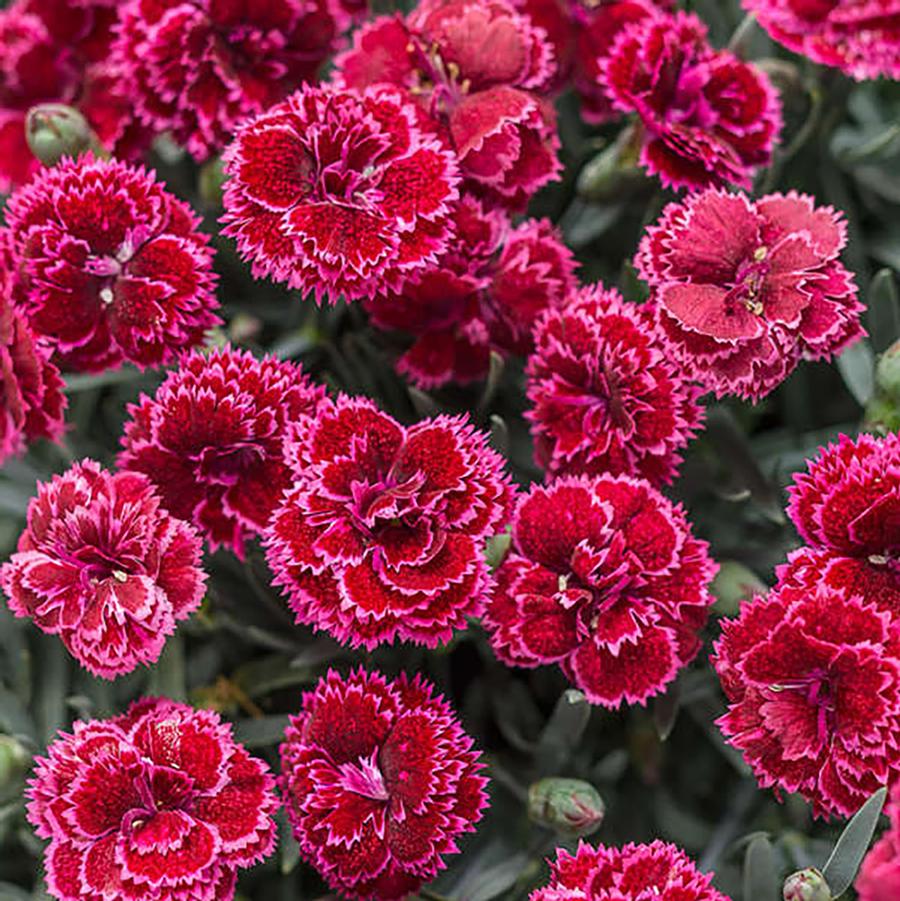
(879, 875)
(746, 288)
(339, 192)
(484, 294)
(379, 781)
(860, 37)
(605, 579)
(159, 804)
(110, 265)
(211, 440)
(631, 873)
(812, 677)
(102, 566)
(706, 117)
(605, 395)
(200, 67)
(382, 535)
(556, 19)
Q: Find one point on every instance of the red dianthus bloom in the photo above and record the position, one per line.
(109, 265)
(200, 67)
(706, 117)
(605, 395)
(605, 579)
(745, 289)
(812, 677)
(631, 873)
(879, 875)
(101, 565)
(379, 782)
(159, 804)
(382, 535)
(211, 440)
(339, 192)
(860, 37)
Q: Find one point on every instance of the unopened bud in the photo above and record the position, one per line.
(570, 806)
(614, 172)
(13, 763)
(883, 410)
(54, 130)
(806, 885)
(210, 181)
(887, 373)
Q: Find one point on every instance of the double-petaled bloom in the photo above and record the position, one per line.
(103, 566)
(746, 289)
(158, 804)
(339, 192)
(606, 580)
(382, 534)
(379, 781)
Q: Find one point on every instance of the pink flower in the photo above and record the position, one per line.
(879, 876)
(379, 781)
(485, 293)
(605, 396)
(111, 266)
(745, 289)
(606, 580)
(812, 677)
(706, 117)
(211, 440)
(860, 37)
(198, 68)
(338, 192)
(556, 19)
(159, 804)
(631, 873)
(381, 536)
(102, 566)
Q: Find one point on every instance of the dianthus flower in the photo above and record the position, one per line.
(211, 440)
(847, 508)
(110, 265)
(705, 116)
(859, 37)
(879, 875)
(745, 289)
(198, 68)
(159, 804)
(484, 294)
(382, 535)
(379, 781)
(631, 873)
(473, 69)
(812, 678)
(339, 192)
(606, 398)
(605, 579)
(104, 567)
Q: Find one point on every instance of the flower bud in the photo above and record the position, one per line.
(210, 182)
(806, 885)
(887, 373)
(614, 172)
(54, 130)
(13, 763)
(883, 410)
(570, 806)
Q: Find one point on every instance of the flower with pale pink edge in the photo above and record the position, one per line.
(605, 394)
(103, 566)
(705, 117)
(381, 536)
(631, 873)
(859, 37)
(746, 289)
(199, 68)
(211, 440)
(110, 266)
(339, 192)
(605, 579)
(879, 875)
(556, 20)
(158, 804)
(379, 782)
(812, 678)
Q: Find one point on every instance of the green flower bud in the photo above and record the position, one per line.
(613, 173)
(54, 130)
(210, 182)
(14, 761)
(887, 373)
(570, 806)
(806, 885)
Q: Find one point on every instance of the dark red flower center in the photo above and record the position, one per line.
(225, 465)
(160, 789)
(98, 564)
